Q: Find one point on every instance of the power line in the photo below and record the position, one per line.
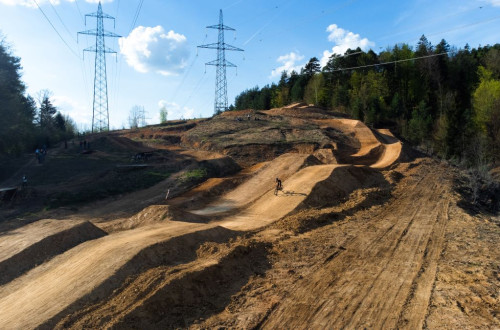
(117, 7)
(195, 89)
(392, 62)
(79, 11)
(136, 16)
(184, 77)
(48, 20)
(60, 20)
(467, 25)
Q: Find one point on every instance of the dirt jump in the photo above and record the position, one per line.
(358, 240)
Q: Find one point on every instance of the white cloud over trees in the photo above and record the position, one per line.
(289, 64)
(343, 41)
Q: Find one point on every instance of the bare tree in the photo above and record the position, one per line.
(137, 116)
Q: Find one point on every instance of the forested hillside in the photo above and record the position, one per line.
(26, 123)
(444, 99)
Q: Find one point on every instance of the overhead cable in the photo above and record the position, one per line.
(48, 20)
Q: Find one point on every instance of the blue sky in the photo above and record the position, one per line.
(159, 64)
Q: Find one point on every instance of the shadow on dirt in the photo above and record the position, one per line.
(46, 249)
(478, 196)
(176, 251)
(198, 295)
(373, 189)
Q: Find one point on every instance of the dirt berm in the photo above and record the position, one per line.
(151, 215)
(260, 183)
(32, 245)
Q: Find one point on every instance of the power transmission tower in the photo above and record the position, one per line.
(100, 112)
(221, 64)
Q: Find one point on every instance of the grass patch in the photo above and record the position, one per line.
(198, 174)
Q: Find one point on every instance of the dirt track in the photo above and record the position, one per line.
(30, 295)
(387, 270)
(342, 246)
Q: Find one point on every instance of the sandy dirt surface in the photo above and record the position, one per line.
(342, 246)
(25, 301)
(43, 292)
(413, 261)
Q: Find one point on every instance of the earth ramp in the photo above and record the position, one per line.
(26, 247)
(48, 289)
(259, 184)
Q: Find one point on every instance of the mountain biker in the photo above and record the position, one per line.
(278, 184)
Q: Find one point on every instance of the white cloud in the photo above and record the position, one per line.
(32, 4)
(81, 114)
(494, 3)
(151, 49)
(289, 64)
(343, 41)
(175, 111)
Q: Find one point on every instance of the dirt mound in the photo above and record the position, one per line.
(28, 254)
(311, 187)
(220, 167)
(153, 214)
(113, 143)
(143, 276)
(237, 113)
(325, 156)
(299, 110)
(251, 154)
(340, 184)
(175, 298)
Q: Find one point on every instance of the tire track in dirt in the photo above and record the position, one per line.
(416, 306)
(385, 262)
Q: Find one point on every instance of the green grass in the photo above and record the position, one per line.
(194, 175)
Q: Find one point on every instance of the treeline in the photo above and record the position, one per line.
(443, 99)
(25, 122)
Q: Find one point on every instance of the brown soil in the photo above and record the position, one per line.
(341, 246)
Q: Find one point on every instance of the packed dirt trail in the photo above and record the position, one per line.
(269, 208)
(26, 301)
(43, 292)
(260, 183)
(384, 276)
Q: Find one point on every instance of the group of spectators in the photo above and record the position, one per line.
(40, 154)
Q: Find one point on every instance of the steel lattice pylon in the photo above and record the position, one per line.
(100, 112)
(221, 64)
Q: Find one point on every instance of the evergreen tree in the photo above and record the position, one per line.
(312, 67)
(47, 111)
(16, 110)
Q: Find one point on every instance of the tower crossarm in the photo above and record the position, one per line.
(221, 27)
(223, 46)
(93, 49)
(96, 14)
(94, 32)
(216, 63)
